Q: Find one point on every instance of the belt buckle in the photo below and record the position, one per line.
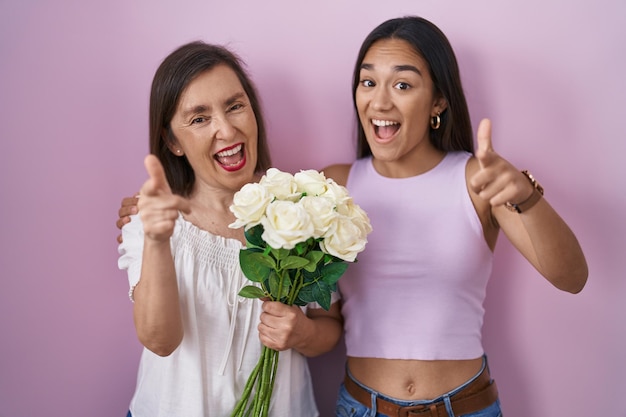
(416, 410)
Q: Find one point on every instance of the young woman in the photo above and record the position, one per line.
(413, 304)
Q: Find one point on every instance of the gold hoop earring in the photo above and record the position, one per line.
(435, 121)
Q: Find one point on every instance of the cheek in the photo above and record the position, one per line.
(250, 126)
(361, 103)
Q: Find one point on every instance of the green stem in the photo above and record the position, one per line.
(265, 395)
(275, 355)
(280, 286)
(295, 288)
(240, 407)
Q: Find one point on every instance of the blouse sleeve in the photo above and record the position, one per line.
(131, 249)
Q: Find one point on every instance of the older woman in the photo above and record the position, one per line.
(207, 140)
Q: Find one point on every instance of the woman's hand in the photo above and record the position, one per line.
(287, 327)
(127, 208)
(157, 205)
(496, 180)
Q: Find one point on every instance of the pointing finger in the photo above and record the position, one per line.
(157, 184)
(483, 138)
(158, 181)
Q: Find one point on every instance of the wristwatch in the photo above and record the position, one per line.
(530, 201)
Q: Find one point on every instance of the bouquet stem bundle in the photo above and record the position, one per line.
(263, 377)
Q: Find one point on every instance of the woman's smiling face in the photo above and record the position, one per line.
(395, 100)
(215, 128)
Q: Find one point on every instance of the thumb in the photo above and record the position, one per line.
(483, 138)
(157, 183)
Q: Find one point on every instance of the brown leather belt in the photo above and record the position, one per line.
(477, 395)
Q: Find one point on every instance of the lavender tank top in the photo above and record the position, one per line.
(417, 290)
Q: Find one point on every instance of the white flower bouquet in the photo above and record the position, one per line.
(300, 231)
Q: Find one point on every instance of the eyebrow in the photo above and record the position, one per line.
(396, 68)
(194, 110)
(201, 108)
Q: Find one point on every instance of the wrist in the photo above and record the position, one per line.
(535, 196)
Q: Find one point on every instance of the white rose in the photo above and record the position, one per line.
(337, 192)
(356, 214)
(311, 182)
(285, 224)
(280, 184)
(249, 205)
(322, 212)
(345, 239)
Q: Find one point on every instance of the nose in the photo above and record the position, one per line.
(224, 129)
(381, 99)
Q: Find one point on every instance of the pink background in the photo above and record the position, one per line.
(74, 81)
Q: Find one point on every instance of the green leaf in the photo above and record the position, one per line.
(313, 257)
(299, 302)
(280, 253)
(310, 276)
(317, 292)
(322, 296)
(258, 257)
(306, 246)
(306, 294)
(293, 262)
(253, 236)
(255, 265)
(250, 291)
(301, 248)
(333, 271)
(274, 286)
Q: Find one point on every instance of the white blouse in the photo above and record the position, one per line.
(206, 374)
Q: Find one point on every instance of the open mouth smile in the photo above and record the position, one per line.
(232, 158)
(385, 129)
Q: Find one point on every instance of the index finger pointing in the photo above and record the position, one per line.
(158, 180)
(483, 138)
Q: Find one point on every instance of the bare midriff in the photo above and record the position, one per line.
(413, 379)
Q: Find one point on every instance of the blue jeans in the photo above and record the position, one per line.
(347, 406)
(129, 414)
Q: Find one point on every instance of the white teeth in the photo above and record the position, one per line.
(230, 152)
(383, 122)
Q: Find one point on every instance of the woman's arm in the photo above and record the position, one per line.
(157, 310)
(544, 238)
(538, 232)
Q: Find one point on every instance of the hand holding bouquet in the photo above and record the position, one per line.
(300, 231)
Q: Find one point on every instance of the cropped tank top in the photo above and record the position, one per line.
(417, 290)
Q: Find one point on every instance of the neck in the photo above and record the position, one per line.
(210, 211)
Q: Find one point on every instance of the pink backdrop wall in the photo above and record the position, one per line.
(74, 80)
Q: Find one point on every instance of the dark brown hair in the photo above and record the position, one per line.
(170, 80)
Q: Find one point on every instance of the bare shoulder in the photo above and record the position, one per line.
(338, 172)
(472, 167)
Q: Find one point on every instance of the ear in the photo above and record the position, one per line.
(440, 105)
(172, 143)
